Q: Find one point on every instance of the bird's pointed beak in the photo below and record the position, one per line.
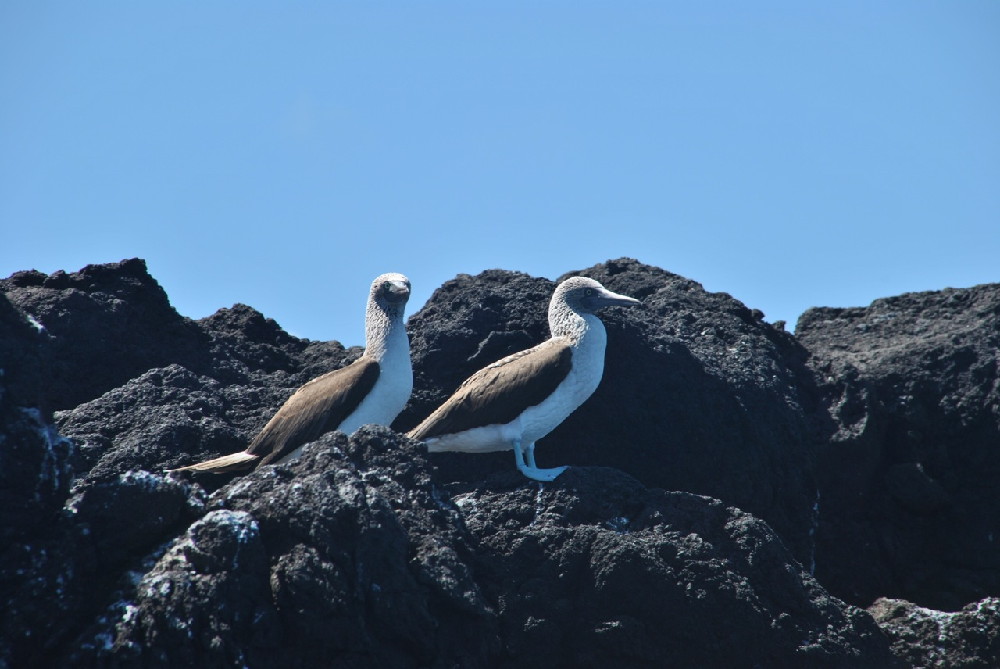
(609, 299)
(398, 291)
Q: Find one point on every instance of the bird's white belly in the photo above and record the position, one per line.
(386, 399)
(380, 407)
(477, 440)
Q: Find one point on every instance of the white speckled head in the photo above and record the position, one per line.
(390, 291)
(586, 296)
(576, 297)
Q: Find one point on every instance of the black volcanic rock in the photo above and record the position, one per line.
(103, 325)
(107, 324)
(350, 557)
(165, 417)
(35, 460)
(921, 637)
(353, 556)
(596, 570)
(244, 345)
(35, 471)
(60, 574)
(698, 394)
(911, 423)
(143, 387)
(370, 552)
(22, 373)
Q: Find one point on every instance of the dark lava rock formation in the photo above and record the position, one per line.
(910, 454)
(922, 637)
(719, 462)
(355, 554)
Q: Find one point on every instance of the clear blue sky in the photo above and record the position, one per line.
(793, 154)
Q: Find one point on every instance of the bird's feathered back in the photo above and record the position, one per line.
(316, 408)
(499, 392)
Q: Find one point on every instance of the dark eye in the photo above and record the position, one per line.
(589, 292)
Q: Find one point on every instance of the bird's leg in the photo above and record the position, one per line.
(530, 469)
(519, 456)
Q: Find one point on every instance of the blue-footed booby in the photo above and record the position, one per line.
(372, 389)
(519, 399)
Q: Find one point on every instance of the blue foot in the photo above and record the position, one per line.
(543, 474)
(529, 468)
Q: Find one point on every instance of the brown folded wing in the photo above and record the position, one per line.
(316, 408)
(498, 393)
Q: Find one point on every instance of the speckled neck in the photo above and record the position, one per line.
(564, 321)
(384, 327)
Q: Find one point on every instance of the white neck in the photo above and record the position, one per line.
(589, 339)
(385, 334)
(564, 321)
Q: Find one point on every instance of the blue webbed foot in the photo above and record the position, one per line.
(529, 468)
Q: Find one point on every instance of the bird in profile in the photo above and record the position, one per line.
(371, 390)
(519, 399)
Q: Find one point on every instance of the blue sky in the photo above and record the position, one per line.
(793, 154)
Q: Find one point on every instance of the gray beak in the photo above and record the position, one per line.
(399, 290)
(609, 299)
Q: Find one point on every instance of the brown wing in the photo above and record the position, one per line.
(316, 408)
(498, 393)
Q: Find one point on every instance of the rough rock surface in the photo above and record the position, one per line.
(597, 570)
(911, 457)
(107, 324)
(966, 639)
(370, 552)
(82, 316)
(35, 472)
(95, 338)
(353, 556)
(349, 557)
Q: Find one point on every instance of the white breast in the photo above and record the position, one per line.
(579, 384)
(392, 389)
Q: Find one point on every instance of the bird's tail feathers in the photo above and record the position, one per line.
(233, 462)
